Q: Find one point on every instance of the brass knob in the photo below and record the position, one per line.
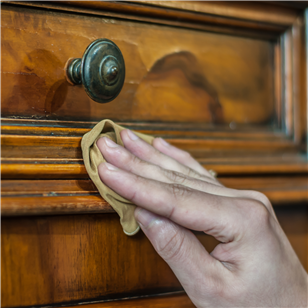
(101, 71)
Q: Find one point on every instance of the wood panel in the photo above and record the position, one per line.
(233, 76)
(56, 259)
(167, 301)
(294, 222)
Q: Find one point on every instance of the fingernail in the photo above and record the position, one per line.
(110, 167)
(164, 142)
(110, 143)
(131, 135)
(144, 217)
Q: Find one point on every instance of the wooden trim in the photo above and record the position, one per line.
(74, 142)
(296, 76)
(60, 205)
(288, 83)
(294, 94)
(17, 127)
(256, 11)
(305, 83)
(42, 171)
(277, 83)
(50, 197)
(56, 169)
(162, 301)
(170, 16)
(51, 188)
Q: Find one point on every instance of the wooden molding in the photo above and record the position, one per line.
(60, 197)
(224, 20)
(160, 301)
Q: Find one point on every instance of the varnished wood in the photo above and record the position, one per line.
(49, 147)
(59, 205)
(67, 258)
(225, 81)
(78, 128)
(62, 197)
(167, 301)
(87, 257)
(33, 84)
(231, 22)
(256, 11)
(21, 169)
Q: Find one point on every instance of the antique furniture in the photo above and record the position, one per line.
(226, 81)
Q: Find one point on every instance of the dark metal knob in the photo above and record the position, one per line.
(101, 71)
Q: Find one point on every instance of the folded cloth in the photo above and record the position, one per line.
(93, 158)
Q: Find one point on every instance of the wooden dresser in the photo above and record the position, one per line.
(226, 81)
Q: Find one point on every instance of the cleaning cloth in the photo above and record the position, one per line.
(93, 158)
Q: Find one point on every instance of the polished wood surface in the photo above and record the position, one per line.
(253, 11)
(55, 197)
(173, 75)
(226, 81)
(82, 257)
(233, 22)
(169, 301)
(66, 258)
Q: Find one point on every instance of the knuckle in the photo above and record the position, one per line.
(174, 176)
(186, 155)
(135, 193)
(179, 191)
(258, 213)
(192, 173)
(261, 197)
(134, 159)
(170, 245)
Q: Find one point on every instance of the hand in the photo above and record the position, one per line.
(253, 266)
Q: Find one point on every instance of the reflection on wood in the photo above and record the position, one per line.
(189, 70)
(175, 85)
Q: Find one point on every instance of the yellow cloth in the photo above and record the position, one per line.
(93, 158)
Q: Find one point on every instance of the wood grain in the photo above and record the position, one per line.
(167, 301)
(86, 257)
(62, 197)
(50, 147)
(232, 22)
(33, 83)
(82, 257)
(253, 11)
(225, 81)
(22, 169)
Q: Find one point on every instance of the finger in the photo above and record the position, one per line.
(187, 207)
(125, 160)
(146, 152)
(122, 158)
(182, 251)
(179, 155)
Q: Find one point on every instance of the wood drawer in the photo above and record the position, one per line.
(224, 81)
(229, 90)
(172, 74)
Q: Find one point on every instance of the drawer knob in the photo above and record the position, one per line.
(101, 71)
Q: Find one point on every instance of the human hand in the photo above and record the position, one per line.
(253, 266)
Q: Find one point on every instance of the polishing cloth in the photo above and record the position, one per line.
(93, 158)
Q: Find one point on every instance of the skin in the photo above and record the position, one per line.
(253, 266)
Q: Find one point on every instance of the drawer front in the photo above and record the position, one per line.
(172, 74)
(220, 93)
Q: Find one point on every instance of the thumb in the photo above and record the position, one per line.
(180, 248)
